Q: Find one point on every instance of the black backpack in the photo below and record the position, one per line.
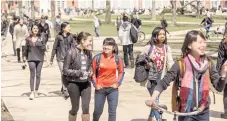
(134, 34)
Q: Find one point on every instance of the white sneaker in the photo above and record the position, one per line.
(31, 97)
(36, 94)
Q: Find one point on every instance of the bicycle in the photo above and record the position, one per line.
(163, 108)
(210, 35)
(141, 36)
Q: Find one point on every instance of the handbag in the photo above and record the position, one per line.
(153, 74)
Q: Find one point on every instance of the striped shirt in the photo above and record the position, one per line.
(83, 65)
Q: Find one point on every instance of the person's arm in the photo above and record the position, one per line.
(220, 60)
(54, 49)
(170, 76)
(216, 79)
(120, 72)
(94, 79)
(15, 33)
(25, 52)
(170, 60)
(67, 63)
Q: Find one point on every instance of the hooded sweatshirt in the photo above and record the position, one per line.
(124, 33)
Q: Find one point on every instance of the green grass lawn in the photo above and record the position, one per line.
(110, 29)
(180, 18)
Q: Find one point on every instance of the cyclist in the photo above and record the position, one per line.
(207, 23)
(199, 68)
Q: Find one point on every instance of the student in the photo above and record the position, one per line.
(198, 68)
(34, 54)
(19, 34)
(77, 73)
(118, 23)
(11, 31)
(61, 45)
(108, 74)
(124, 36)
(222, 57)
(44, 28)
(160, 55)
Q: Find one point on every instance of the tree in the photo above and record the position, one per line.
(53, 4)
(153, 10)
(174, 14)
(108, 12)
(32, 9)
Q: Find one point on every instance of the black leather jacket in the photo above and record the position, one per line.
(61, 46)
(222, 55)
(72, 65)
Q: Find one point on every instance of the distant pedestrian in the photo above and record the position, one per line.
(164, 24)
(4, 29)
(11, 31)
(34, 54)
(97, 23)
(19, 34)
(44, 28)
(118, 23)
(57, 25)
(62, 44)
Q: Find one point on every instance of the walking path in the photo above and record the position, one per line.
(52, 107)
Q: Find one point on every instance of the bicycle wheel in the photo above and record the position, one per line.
(212, 36)
(141, 36)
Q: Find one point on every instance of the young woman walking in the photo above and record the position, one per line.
(77, 74)
(34, 54)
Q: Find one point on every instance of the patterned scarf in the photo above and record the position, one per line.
(187, 90)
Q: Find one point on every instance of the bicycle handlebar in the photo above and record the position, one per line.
(164, 109)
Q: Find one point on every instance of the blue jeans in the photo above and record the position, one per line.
(97, 31)
(152, 112)
(100, 97)
(204, 116)
(207, 27)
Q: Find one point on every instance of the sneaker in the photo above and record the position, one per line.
(224, 115)
(36, 94)
(32, 96)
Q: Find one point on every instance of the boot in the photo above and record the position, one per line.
(132, 63)
(150, 119)
(18, 55)
(224, 115)
(72, 118)
(85, 117)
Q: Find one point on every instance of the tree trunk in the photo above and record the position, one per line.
(197, 8)
(108, 13)
(153, 10)
(53, 4)
(32, 9)
(174, 9)
(20, 8)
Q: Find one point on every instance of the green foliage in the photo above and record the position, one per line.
(166, 10)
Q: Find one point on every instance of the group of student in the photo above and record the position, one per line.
(105, 71)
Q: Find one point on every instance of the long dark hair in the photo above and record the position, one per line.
(154, 36)
(31, 32)
(190, 37)
(82, 36)
(111, 42)
(63, 25)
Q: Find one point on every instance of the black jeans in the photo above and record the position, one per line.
(225, 98)
(18, 55)
(128, 50)
(35, 71)
(204, 116)
(76, 90)
(100, 97)
(14, 47)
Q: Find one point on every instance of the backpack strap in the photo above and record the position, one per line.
(98, 59)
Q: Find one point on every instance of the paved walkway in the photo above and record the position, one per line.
(52, 107)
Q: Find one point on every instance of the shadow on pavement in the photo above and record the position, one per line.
(59, 93)
(215, 114)
(139, 120)
(28, 94)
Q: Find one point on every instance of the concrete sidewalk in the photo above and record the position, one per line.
(52, 107)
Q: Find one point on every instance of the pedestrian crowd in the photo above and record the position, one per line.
(155, 68)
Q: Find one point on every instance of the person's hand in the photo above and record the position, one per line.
(149, 65)
(114, 85)
(51, 63)
(224, 69)
(24, 59)
(150, 102)
(98, 87)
